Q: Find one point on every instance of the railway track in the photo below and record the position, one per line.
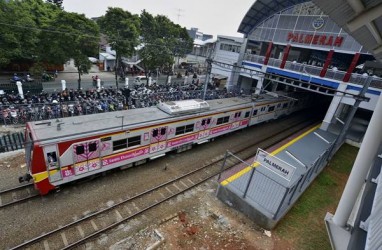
(15, 195)
(93, 225)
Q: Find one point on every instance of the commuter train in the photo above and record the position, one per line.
(60, 151)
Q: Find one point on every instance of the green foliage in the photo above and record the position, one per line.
(162, 40)
(58, 3)
(18, 30)
(121, 29)
(37, 70)
(37, 31)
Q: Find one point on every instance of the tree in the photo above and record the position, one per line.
(58, 3)
(162, 41)
(18, 31)
(22, 24)
(122, 31)
(72, 36)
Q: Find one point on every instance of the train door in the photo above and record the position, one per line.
(52, 162)
(203, 127)
(86, 157)
(158, 139)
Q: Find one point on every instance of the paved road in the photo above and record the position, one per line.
(70, 75)
(107, 79)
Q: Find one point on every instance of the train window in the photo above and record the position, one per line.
(271, 108)
(189, 128)
(52, 157)
(254, 112)
(262, 109)
(206, 121)
(163, 131)
(134, 141)
(92, 146)
(279, 105)
(184, 129)
(80, 149)
(119, 144)
(237, 114)
(155, 132)
(222, 120)
(247, 114)
(285, 105)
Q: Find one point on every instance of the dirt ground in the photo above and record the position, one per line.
(203, 222)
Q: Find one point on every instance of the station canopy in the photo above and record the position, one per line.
(361, 19)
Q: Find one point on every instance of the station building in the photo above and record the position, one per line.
(294, 46)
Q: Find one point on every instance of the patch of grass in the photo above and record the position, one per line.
(304, 225)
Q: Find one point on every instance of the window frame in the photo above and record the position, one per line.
(122, 145)
(222, 120)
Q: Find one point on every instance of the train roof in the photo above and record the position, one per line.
(79, 126)
(97, 124)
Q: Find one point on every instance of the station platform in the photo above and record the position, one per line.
(265, 186)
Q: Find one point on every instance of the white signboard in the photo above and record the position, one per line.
(274, 164)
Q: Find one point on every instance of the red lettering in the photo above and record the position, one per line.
(295, 38)
(308, 39)
(322, 40)
(301, 38)
(338, 41)
(315, 39)
(329, 41)
(290, 36)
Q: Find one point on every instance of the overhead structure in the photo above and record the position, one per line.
(262, 9)
(362, 19)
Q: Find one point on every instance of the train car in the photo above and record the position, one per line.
(60, 151)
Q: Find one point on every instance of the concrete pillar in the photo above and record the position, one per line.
(126, 82)
(20, 89)
(185, 79)
(327, 63)
(365, 158)
(150, 81)
(333, 107)
(259, 84)
(285, 56)
(98, 83)
(351, 67)
(169, 80)
(236, 70)
(268, 53)
(63, 84)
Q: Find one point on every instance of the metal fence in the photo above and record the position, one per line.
(33, 88)
(11, 141)
(267, 193)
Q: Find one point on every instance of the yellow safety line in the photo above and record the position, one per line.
(256, 164)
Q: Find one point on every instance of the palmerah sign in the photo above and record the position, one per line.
(274, 164)
(325, 40)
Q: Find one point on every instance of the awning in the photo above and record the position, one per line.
(219, 77)
(107, 56)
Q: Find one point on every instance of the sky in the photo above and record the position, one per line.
(213, 17)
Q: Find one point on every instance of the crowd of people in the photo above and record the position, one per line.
(69, 102)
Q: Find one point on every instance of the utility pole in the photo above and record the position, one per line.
(179, 15)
